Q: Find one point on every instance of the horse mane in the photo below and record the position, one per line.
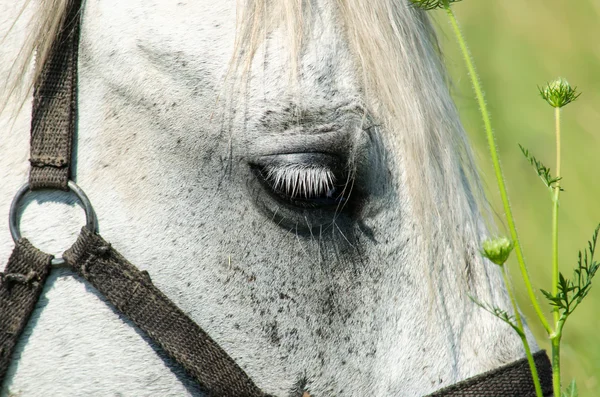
(45, 23)
(405, 87)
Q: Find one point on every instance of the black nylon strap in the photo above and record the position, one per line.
(54, 108)
(512, 380)
(131, 291)
(20, 287)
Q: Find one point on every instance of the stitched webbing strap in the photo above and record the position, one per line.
(131, 291)
(54, 101)
(510, 380)
(20, 286)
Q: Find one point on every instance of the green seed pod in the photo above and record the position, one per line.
(559, 93)
(497, 250)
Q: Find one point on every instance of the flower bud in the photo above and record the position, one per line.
(559, 93)
(497, 250)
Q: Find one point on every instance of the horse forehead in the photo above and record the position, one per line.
(203, 33)
(131, 29)
(158, 54)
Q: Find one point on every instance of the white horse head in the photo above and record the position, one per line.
(292, 174)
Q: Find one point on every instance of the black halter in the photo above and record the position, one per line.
(130, 290)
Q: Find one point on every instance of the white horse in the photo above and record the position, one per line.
(292, 174)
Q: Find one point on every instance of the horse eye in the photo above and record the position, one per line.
(307, 181)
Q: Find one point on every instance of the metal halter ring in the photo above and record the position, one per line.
(90, 216)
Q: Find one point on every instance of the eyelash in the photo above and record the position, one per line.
(301, 182)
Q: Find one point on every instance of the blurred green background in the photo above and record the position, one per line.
(518, 45)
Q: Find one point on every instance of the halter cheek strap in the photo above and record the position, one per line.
(55, 109)
(127, 288)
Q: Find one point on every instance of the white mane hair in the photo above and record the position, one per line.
(405, 87)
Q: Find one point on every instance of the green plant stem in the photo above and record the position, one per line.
(555, 216)
(556, 337)
(556, 365)
(532, 367)
(496, 162)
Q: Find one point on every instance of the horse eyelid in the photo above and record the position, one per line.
(299, 180)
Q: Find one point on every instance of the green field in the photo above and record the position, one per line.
(518, 45)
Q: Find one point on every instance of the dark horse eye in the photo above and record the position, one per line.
(305, 180)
